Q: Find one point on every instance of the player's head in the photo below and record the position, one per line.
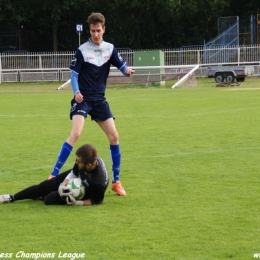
(96, 23)
(96, 18)
(86, 155)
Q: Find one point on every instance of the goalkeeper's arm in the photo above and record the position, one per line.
(72, 201)
(98, 193)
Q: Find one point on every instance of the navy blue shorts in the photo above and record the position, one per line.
(98, 110)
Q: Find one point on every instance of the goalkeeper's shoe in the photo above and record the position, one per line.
(117, 187)
(6, 198)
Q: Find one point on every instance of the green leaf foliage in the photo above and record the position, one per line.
(129, 24)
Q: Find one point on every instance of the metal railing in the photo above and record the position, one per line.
(54, 66)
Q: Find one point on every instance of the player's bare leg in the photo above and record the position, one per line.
(77, 128)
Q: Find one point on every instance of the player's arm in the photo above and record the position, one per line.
(69, 177)
(98, 193)
(118, 62)
(73, 202)
(87, 203)
(75, 68)
(74, 173)
(126, 70)
(75, 87)
(74, 82)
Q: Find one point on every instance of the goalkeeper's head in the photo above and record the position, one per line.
(87, 155)
(86, 158)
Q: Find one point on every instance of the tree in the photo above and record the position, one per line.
(145, 24)
(51, 15)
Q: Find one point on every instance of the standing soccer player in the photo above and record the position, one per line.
(89, 72)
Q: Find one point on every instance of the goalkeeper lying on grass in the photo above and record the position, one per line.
(88, 167)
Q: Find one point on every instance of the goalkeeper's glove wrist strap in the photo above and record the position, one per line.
(79, 203)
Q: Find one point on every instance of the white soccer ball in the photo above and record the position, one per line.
(77, 187)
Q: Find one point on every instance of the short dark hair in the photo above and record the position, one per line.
(87, 153)
(95, 18)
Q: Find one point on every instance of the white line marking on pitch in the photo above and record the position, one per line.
(196, 152)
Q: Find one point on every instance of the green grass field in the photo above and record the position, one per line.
(190, 166)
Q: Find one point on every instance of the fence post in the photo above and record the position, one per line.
(0, 68)
(238, 56)
(198, 59)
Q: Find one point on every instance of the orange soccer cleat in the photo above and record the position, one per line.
(117, 187)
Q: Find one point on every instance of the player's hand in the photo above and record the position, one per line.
(51, 176)
(72, 201)
(129, 71)
(78, 97)
(64, 190)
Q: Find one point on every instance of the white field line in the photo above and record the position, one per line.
(32, 116)
(243, 89)
(193, 114)
(28, 170)
(196, 152)
(143, 115)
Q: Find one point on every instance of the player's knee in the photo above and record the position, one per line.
(74, 137)
(53, 198)
(113, 138)
(50, 199)
(47, 201)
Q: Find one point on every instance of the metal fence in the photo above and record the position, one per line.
(26, 66)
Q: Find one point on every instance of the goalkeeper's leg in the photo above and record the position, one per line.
(54, 198)
(42, 189)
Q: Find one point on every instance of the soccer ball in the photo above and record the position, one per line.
(77, 187)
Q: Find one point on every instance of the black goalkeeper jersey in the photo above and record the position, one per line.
(95, 181)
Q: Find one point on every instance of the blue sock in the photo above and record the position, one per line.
(62, 158)
(116, 159)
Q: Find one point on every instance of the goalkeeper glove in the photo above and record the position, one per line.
(64, 190)
(72, 201)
